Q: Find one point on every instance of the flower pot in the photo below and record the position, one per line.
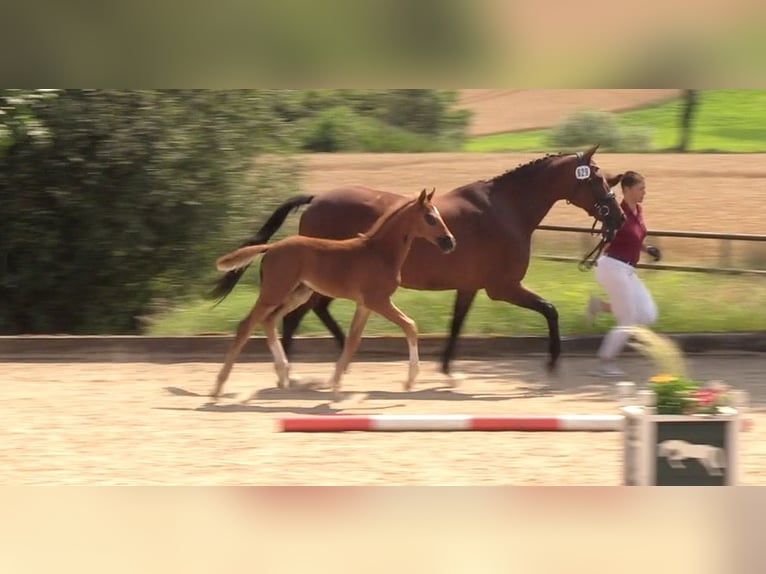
(678, 450)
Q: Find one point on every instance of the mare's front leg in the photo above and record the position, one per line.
(391, 312)
(514, 292)
(358, 322)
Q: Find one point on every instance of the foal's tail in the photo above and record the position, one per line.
(240, 257)
(226, 284)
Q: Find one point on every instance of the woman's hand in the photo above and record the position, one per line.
(654, 252)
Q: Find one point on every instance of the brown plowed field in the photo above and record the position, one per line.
(724, 193)
(711, 192)
(507, 110)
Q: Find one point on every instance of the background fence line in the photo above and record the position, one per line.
(724, 254)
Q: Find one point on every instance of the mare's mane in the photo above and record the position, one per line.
(529, 168)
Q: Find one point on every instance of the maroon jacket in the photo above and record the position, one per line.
(627, 242)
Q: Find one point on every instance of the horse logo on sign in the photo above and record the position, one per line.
(712, 458)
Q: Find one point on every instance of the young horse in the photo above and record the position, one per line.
(492, 220)
(365, 269)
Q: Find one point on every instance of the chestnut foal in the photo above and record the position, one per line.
(365, 269)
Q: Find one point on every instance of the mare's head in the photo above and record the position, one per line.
(591, 191)
(427, 223)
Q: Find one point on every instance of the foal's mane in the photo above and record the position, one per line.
(526, 169)
(385, 218)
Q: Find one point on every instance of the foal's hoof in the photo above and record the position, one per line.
(293, 382)
(455, 379)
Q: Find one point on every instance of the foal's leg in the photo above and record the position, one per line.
(290, 323)
(518, 295)
(358, 322)
(391, 312)
(281, 365)
(296, 299)
(245, 327)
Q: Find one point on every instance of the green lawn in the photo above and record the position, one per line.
(726, 121)
(688, 302)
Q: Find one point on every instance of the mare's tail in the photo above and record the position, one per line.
(226, 284)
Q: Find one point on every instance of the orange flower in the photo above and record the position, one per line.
(662, 379)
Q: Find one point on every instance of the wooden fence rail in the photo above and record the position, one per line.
(724, 257)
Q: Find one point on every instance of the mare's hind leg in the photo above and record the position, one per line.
(358, 322)
(245, 327)
(463, 301)
(391, 312)
(518, 295)
(319, 304)
(322, 310)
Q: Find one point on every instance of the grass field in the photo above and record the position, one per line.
(688, 302)
(726, 121)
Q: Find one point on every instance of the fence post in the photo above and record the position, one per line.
(724, 259)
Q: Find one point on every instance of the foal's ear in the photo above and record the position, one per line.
(430, 195)
(422, 198)
(614, 180)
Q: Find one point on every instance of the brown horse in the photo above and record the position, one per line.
(365, 269)
(493, 222)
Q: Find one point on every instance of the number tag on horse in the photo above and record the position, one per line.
(582, 172)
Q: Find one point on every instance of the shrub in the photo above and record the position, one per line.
(341, 129)
(586, 127)
(634, 139)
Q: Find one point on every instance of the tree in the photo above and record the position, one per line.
(691, 98)
(111, 198)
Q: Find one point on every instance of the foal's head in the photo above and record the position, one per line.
(591, 190)
(427, 223)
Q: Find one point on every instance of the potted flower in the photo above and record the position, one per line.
(678, 430)
(680, 395)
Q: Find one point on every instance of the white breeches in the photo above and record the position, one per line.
(631, 302)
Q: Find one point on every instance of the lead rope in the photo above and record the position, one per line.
(585, 265)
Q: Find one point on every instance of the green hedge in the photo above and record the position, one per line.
(112, 199)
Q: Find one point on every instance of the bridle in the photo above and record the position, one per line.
(584, 174)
